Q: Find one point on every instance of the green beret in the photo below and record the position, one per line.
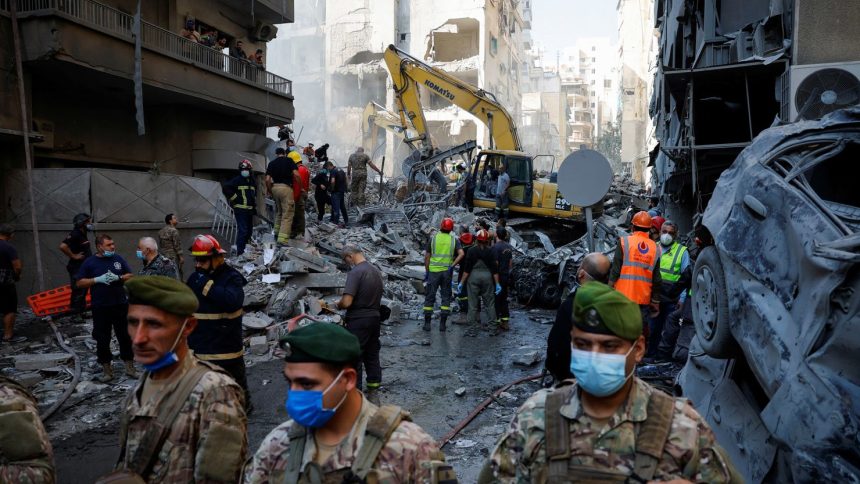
(321, 343)
(598, 308)
(165, 293)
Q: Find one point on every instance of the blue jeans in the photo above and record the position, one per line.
(244, 222)
(338, 206)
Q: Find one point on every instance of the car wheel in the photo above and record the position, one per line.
(711, 306)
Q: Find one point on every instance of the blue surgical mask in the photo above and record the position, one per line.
(599, 374)
(139, 254)
(245, 173)
(109, 253)
(170, 357)
(306, 406)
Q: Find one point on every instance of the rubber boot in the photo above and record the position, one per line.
(442, 320)
(427, 318)
(130, 370)
(107, 375)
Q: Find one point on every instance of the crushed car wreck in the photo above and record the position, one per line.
(776, 302)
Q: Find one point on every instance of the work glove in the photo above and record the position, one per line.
(106, 278)
(426, 277)
(498, 289)
(451, 271)
(460, 288)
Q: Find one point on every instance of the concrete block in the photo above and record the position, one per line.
(313, 305)
(312, 262)
(37, 362)
(258, 345)
(320, 281)
(293, 267)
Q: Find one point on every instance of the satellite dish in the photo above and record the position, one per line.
(584, 177)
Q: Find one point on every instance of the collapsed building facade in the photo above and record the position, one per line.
(728, 70)
(202, 112)
(337, 52)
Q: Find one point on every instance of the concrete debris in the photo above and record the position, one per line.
(320, 281)
(528, 358)
(39, 361)
(460, 391)
(256, 320)
(258, 345)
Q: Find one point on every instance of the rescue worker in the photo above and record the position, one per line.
(362, 298)
(467, 241)
(170, 243)
(321, 194)
(241, 192)
(219, 290)
(308, 151)
(154, 264)
(335, 434)
(607, 425)
(656, 225)
(337, 187)
(321, 153)
(635, 267)
(503, 183)
(442, 254)
(356, 171)
(26, 455)
(76, 246)
(594, 267)
(303, 184)
(676, 277)
(184, 420)
(105, 273)
(480, 273)
(279, 185)
(10, 273)
(504, 256)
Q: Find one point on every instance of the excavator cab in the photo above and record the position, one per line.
(485, 171)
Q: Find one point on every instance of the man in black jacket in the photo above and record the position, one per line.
(594, 267)
(241, 192)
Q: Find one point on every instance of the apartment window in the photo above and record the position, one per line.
(592, 82)
(593, 48)
(607, 83)
(494, 45)
(594, 71)
(594, 59)
(593, 105)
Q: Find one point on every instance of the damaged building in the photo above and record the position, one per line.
(201, 111)
(728, 70)
(337, 56)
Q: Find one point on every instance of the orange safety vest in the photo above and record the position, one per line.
(640, 258)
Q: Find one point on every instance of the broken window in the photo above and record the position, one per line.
(494, 45)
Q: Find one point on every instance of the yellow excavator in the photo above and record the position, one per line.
(374, 118)
(528, 195)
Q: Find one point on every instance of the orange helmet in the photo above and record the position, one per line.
(206, 245)
(642, 220)
(447, 224)
(483, 236)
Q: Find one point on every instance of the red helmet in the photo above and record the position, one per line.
(467, 238)
(447, 224)
(483, 236)
(246, 165)
(657, 222)
(206, 245)
(642, 220)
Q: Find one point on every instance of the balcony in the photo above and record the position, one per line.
(63, 30)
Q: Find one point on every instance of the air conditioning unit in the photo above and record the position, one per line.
(818, 89)
(264, 32)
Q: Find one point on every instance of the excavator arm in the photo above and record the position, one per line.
(374, 118)
(408, 72)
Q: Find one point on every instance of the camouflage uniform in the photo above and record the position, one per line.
(405, 458)
(170, 246)
(358, 166)
(26, 455)
(160, 266)
(208, 440)
(690, 451)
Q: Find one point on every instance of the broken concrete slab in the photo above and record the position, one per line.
(258, 345)
(527, 358)
(256, 320)
(313, 305)
(320, 281)
(293, 267)
(281, 306)
(39, 361)
(29, 379)
(298, 244)
(310, 261)
(460, 391)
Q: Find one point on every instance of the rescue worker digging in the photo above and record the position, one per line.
(334, 433)
(480, 272)
(607, 425)
(241, 192)
(635, 268)
(356, 170)
(442, 254)
(219, 289)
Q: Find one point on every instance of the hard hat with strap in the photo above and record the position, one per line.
(442, 251)
(206, 245)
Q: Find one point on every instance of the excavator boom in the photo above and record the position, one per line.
(407, 72)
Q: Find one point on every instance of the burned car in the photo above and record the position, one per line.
(776, 303)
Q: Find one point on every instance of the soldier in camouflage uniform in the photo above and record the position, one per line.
(185, 420)
(154, 264)
(26, 456)
(335, 434)
(606, 426)
(357, 171)
(170, 243)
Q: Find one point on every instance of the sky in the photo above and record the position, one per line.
(557, 24)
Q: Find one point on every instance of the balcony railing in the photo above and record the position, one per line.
(110, 20)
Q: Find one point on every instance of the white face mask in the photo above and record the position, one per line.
(666, 239)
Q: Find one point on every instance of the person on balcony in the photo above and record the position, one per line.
(190, 31)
